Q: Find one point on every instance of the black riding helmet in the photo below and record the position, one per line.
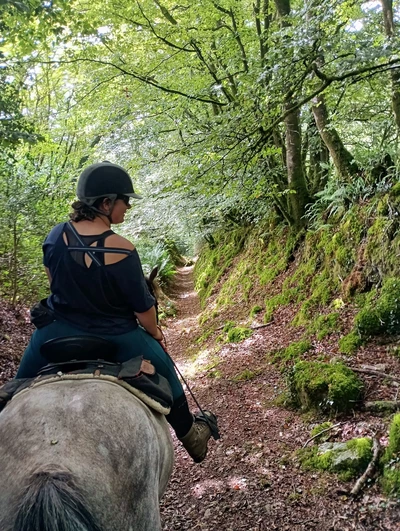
(104, 179)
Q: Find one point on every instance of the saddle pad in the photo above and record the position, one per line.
(150, 402)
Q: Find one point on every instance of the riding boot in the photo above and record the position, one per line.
(193, 431)
(195, 441)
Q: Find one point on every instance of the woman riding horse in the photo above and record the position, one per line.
(105, 293)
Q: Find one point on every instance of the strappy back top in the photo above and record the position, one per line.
(98, 298)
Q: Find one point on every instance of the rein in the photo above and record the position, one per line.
(211, 424)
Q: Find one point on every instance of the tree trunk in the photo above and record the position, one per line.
(387, 9)
(342, 158)
(318, 159)
(298, 198)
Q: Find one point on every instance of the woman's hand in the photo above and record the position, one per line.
(161, 338)
(148, 321)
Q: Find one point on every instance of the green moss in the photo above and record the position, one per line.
(321, 428)
(228, 326)
(349, 344)
(324, 325)
(395, 190)
(215, 260)
(329, 459)
(245, 375)
(238, 333)
(255, 310)
(393, 448)
(324, 386)
(383, 314)
(278, 301)
(205, 335)
(293, 352)
(391, 459)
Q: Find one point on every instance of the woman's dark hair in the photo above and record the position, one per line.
(82, 212)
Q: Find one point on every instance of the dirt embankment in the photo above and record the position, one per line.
(250, 480)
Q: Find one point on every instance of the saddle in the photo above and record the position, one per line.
(90, 357)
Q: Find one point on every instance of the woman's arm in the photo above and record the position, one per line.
(149, 322)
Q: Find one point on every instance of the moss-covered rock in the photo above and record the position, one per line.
(391, 459)
(324, 386)
(349, 459)
(381, 315)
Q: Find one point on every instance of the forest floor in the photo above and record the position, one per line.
(251, 479)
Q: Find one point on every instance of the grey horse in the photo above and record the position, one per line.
(82, 456)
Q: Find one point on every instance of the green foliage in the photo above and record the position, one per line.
(324, 386)
(216, 259)
(255, 310)
(334, 202)
(157, 254)
(229, 325)
(316, 431)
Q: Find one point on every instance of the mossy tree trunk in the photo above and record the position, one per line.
(297, 184)
(387, 10)
(318, 158)
(342, 158)
(298, 198)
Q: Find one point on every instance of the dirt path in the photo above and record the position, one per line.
(250, 480)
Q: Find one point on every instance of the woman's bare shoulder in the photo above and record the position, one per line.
(115, 240)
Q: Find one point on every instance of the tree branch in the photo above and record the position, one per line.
(212, 71)
(166, 13)
(328, 81)
(163, 39)
(140, 77)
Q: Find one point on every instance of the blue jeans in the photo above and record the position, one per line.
(134, 343)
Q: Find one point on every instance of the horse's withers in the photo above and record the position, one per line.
(114, 454)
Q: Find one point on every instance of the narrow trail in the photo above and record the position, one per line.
(249, 480)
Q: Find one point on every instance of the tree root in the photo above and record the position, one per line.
(376, 373)
(376, 449)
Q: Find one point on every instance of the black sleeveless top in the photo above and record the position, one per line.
(100, 299)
